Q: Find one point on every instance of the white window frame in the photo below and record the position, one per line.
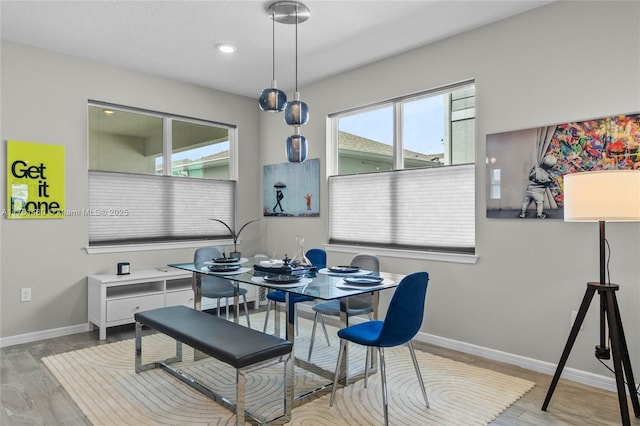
(332, 150)
(167, 118)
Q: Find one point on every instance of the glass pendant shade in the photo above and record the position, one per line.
(272, 99)
(296, 148)
(296, 113)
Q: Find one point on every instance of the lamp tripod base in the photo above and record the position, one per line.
(603, 352)
(621, 361)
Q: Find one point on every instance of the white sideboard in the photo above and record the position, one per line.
(114, 299)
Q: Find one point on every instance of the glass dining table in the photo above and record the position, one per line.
(324, 284)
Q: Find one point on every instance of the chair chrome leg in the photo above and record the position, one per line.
(343, 346)
(218, 305)
(138, 356)
(415, 365)
(246, 310)
(383, 377)
(324, 328)
(366, 366)
(226, 307)
(266, 318)
(313, 335)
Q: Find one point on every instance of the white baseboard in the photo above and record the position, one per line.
(584, 377)
(42, 335)
(580, 376)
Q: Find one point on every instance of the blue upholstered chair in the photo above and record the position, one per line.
(401, 324)
(216, 287)
(358, 305)
(318, 258)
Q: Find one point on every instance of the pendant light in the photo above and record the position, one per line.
(296, 112)
(273, 99)
(296, 147)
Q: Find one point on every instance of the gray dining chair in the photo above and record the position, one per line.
(358, 305)
(216, 287)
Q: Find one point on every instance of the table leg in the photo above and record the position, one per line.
(373, 360)
(197, 305)
(344, 360)
(197, 292)
(276, 316)
(290, 335)
(290, 310)
(236, 302)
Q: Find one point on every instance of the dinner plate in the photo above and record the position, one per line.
(364, 281)
(282, 279)
(226, 260)
(231, 272)
(344, 269)
(223, 268)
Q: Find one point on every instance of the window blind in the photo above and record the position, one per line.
(429, 209)
(135, 208)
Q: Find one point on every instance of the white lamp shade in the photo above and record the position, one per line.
(606, 195)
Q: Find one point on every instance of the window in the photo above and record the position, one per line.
(155, 177)
(412, 162)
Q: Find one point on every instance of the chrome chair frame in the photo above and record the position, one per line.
(359, 305)
(226, 287)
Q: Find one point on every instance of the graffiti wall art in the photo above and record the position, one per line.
(525, 168)
(292, 189)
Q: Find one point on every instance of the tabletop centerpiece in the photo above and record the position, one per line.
(235, 235)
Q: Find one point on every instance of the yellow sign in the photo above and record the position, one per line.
(35, 180)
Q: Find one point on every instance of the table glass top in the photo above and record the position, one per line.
(324, 284)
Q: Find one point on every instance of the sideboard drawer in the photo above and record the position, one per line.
(184, 297)
(122, 309)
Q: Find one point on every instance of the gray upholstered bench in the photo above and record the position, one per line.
(238, 346)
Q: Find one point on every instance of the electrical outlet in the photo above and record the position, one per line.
(25, 295)
(574, 314)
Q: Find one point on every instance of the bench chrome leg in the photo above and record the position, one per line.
(239, 407)
(139, 367)
(288, 387)
(241, 381)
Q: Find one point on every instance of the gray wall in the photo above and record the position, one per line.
(44, 99)
(562, 62)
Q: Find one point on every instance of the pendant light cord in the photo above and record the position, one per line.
(296, 47)
(273, 44)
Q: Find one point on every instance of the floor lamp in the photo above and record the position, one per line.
(603, 196)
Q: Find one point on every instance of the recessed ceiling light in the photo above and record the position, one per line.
(226, 47)
(108, 112)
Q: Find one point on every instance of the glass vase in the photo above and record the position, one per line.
(300, 259)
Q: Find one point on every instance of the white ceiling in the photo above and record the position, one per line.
(176, 39)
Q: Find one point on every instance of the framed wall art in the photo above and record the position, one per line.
(292, 189)
(35, 180)
(525, 168)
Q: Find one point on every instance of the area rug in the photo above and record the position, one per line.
(102, 382)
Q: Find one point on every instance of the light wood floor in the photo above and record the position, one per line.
(30, 395)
